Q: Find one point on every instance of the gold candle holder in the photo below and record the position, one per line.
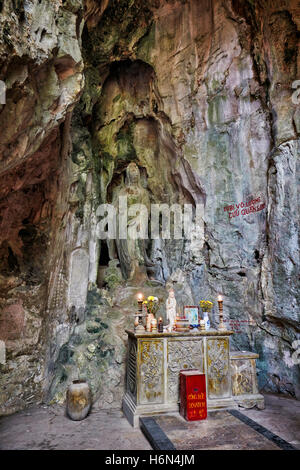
(138, 326)
(140, 299)
(221, 321)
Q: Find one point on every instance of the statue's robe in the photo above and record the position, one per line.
(132, 252)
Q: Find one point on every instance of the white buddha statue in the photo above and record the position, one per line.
(171, 309)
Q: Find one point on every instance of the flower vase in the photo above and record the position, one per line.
(206, 320)
(149, 322)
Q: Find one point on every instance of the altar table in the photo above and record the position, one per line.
(155, 360)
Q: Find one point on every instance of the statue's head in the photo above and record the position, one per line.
(133, 173)
(171, 292)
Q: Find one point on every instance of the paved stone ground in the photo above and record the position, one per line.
(45, 427)
(281, 416)
(220, 431)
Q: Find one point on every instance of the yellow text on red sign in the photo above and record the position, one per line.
(196, 396)
(197, 404)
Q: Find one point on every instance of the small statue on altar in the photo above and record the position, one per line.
(171, 309)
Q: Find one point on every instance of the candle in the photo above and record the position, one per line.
(140, 298)
(154, 325)
(160, 325)
(221, 322)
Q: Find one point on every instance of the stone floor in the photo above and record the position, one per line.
(281, 416)
(220, 431)
(43, 427)
(47, 428)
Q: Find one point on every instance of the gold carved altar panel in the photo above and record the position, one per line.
(182, 354)
(218, 368)
(151, 371)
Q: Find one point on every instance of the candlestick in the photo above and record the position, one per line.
(140, 299)
(221, 322)
(138, 326)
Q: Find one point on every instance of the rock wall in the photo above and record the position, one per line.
(41, 66)
(199, 95)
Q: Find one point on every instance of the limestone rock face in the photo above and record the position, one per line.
(202, 96)
(42, 70)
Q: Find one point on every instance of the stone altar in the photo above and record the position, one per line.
(244, 380)
(153, 364)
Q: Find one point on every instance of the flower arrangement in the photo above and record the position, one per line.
(206, 305)
(151, 304)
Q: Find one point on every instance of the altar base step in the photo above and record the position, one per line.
(133, 412)
(250, 401)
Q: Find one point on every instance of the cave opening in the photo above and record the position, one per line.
(104, 254)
